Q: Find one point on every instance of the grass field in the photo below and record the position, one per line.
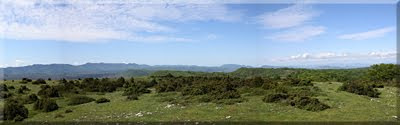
(151, 107)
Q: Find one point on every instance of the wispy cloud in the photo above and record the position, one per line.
(298, 34)
(293, 23)
(291, 16)
(93, 21)
(368, 34)
(330, 56)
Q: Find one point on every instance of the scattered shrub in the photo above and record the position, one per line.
(76, 100)
(307, 103)
(11, 87)
(45, 105)
(31, 99)
(360, 88)
(13, 109)
(102, 100)
(5, 95)
(3, 87)
(297, 82)
(48, 91)
(25, 80)
(68, 111)
(275, 97)
(135, 89)
(39, 81)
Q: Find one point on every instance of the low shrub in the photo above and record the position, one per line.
(13, 110)
(132, 97)
(76, 100)
(39, 81)
(25, 80)
(102, 100)
(308, 103)
(48, 91)
(31, 99)
(68, 111)
(297, 82)
(5, 95)
(360, 88)
(3, 87)
(275, 97)
(11, 87)
(45, 105)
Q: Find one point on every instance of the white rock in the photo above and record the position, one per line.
(139, 114)
(228, 117)
(169, 106)
(394, 117)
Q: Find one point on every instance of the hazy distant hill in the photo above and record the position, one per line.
(57, 71)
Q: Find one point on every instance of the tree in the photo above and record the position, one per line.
(384, 73)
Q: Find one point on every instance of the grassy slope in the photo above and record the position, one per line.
(345, 107)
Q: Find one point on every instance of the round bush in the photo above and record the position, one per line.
(31, 99)
(46, 105)
(14, 111)
(39, 81)
(68, 111)
(76, 100)
(102, 100)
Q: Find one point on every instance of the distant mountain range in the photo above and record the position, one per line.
(57, 71)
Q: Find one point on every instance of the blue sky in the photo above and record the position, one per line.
(196, 34)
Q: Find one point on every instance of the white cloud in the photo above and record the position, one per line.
(368, 34)
(329, 56)
(298, 34)
(291, 16)
(19, 63)
(92, 21)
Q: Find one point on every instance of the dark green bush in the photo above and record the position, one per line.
(135, 89)
(297, 82)
(31, 99)
(76, 100)
(5, 95)
(68, 111)
(360, 88)
(102, 100)
(275, 97)
(25, 80)
(3, 87)
(13, 109)
(11, 87)
(48, 91)
(308, 103)
(39, 81)
(45, 105)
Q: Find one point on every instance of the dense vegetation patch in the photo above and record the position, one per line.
(76, 100)
(39, 81)
(14, 110)
(45, 105)
(360, 88)
(48, 91)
